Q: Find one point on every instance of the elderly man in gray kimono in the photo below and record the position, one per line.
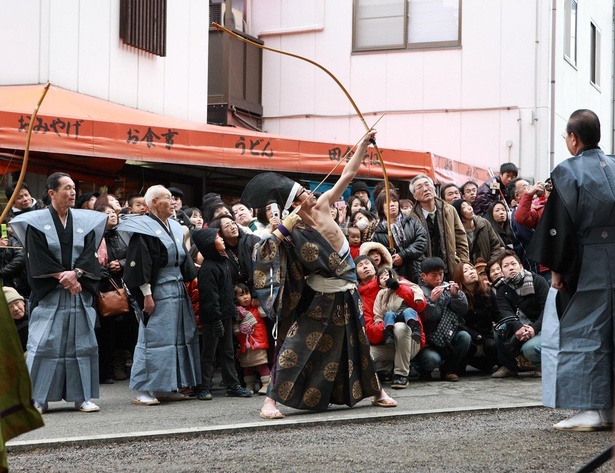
(63, 271)
(166, 357)
(305, 271)
(576, 239)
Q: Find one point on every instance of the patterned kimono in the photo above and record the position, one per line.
(166, 357)
(62, 350)
(325, 357)
(576, 237)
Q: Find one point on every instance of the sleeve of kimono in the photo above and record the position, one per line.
(87, 260)
(143, 259)
(42, 266)
(555, 243)
(188, 268)
(266, 275)
(541, 289)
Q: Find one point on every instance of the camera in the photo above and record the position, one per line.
(340, 204)
(446, 285)
(275, 210)
(498, 282)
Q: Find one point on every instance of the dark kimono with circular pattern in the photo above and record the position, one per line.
(324, 358)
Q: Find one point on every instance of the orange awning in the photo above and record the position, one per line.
(71, 124)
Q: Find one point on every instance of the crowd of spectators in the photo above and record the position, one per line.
(422, 263)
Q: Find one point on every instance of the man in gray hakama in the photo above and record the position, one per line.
(63, 270)
(166, 356)
(576, 239)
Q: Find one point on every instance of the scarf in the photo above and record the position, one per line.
(397, 229)
(523, 283)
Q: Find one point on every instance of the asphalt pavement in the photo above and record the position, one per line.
(121, 420)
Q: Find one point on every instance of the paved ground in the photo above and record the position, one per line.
(120, 419)
(477, 424)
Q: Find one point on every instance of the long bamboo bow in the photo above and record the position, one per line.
(24, 164)
(350, 99)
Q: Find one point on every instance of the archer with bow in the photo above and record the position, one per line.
(305, 277)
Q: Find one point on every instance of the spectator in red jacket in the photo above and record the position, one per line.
(395, 356)
(532, 204)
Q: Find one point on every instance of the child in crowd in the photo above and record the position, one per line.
(217, 314)
(251, 333)
(354, 240)
(398, 301)
(136, 204)
(378, 253)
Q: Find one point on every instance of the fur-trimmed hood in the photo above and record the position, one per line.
(387, 260)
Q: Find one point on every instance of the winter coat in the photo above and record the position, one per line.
(216, 295)
(432, 313)
(258, 339)
(486, 243)
(389, 300)
(416, 237)
(13, 267)
(480, 318)
(530, 210)
(453, 237)
(485, 196)
(245, 245)
(532, 305)
(375, 330)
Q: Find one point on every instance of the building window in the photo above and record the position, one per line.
(399, 24)
(143, 24)
(595, 56)
(570, 31)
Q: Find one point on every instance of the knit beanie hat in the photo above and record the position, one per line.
(11, 295)
(358, 186)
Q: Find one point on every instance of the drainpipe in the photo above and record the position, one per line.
(552, 130)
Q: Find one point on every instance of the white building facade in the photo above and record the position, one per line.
(478, 81)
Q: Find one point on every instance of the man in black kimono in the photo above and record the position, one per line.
(576, 239)
(63, 271)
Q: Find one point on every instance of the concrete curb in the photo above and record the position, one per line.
(288, 422)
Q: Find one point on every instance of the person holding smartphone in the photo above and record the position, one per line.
(269, 216)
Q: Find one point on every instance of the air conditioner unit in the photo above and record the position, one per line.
(217, 11)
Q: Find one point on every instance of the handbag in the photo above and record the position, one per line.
(114, 302)
(506, 333)
(446, 330)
